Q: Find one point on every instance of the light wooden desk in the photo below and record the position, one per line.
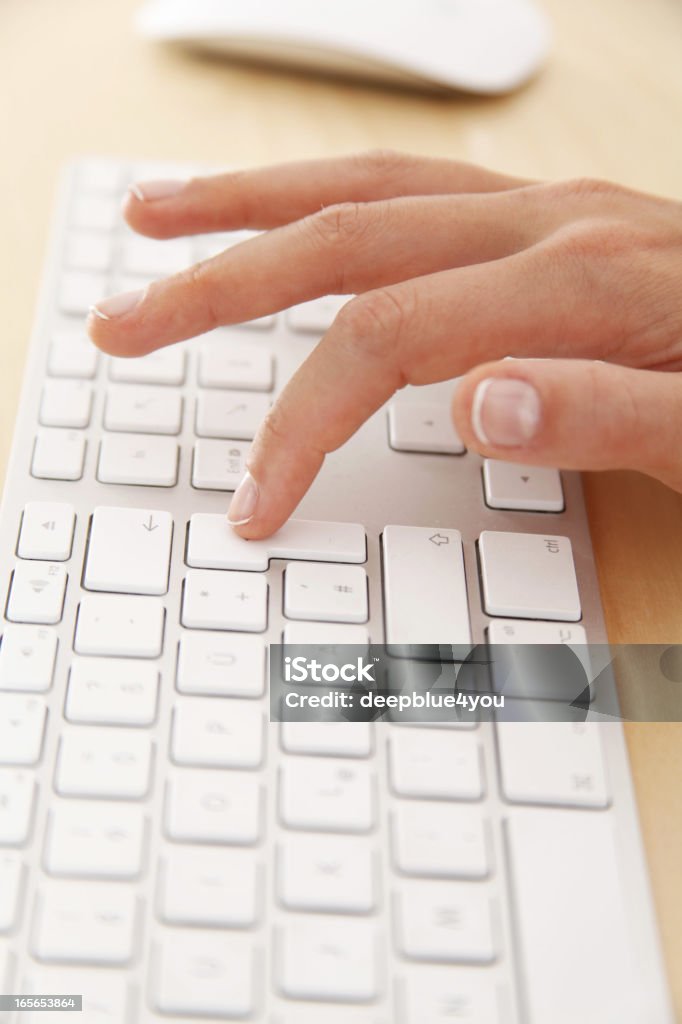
(73, 79)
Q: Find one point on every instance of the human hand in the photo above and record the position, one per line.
(454, 267)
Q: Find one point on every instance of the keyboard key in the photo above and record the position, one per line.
(138, 459)
(327, 874)
(325, 634)
(151, 257)
(100, 212)
(129, 551)
(22, 726)
(100, 694)
(441, 995)
(119, 626)
(425, 587)
(72, 355)
(96, 175)
(208, 888)
(324, 591)
(528, 576)
(235, 415)
(435, 764)
(527, 488)
(164, 366)
(105, 994)
(143, 410)
(316, 316)
(37, 592)
(11, 889)
(47, 531)
(213, 544)
(6, 966)
(214, 733)
(552, 763)
(328, 739)
(198, 977)
(17, 796)
(79, 290)
(213, 807)
(520, 669)
(27, 657)
(423, 428)
(58, 455)
(439, 841)
(85, 923)
(224, 666)
(96, 762)
(219, 465)
(447, 922)
(88, 250)
(66, 403)
(90, 840)
(225, 364)
(326, 796)
(225, 600)
(326, 960)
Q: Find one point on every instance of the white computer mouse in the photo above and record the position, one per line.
(483, 46)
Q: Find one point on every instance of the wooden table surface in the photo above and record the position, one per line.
(74, 79)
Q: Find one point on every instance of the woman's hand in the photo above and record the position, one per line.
(455, 268)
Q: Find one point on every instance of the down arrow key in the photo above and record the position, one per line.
(124, 559)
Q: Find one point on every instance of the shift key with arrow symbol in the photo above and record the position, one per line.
(129, 551)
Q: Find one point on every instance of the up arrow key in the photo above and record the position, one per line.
(124, 560)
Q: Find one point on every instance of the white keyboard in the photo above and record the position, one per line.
(168, 852)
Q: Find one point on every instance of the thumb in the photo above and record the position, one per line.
(574, 414)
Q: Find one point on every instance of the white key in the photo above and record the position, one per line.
(99, 762)
(325, 634)
(66, 403)
(11, 886)
(92, 840)
(235, 415)
(435, 764)
(529, 576)
(99, 693)
(219, 465)
(595, 941)
(439, 841)
(331, 739)
(79, 290)
(37, 592)
(151, 257)
(425, 587)
(450, 922)
(88, 250)
(516, 673)
(22, 725)
(97, 175)
(552, 763)
(87, 923)
(224, 363)
(328, 796)
(47, 531)
(233, 600)
(441, 995)
(423, 428)
(138, 459)
(323, 591)
(58, 455)
(6, 966)
(100, 212)
(517, 631)
(214, 888)
(145, 410)
(129, 551)
(213, 807)
(17, 796)
(328, 960)
(72, 355)
(211, 732)
(330, 874)
(513, 485)
(165, 366)
(27, 657)
(105, 994)
(120, 626)
(213, 544)
(199, 977)
(226, 666)
(316, 316)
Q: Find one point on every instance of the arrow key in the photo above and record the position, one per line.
(129, 551)
(511, 485)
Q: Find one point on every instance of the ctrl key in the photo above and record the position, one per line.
(120, 626)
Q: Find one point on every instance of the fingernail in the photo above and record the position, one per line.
(148, 190)
(505, 412)
(244, 502)
(117, 305)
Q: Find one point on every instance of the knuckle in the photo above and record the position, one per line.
(597, 239)
(587, 188)
(337, 226)
(198, 281)
(272, 431)
(385, 162)
(375, 323)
